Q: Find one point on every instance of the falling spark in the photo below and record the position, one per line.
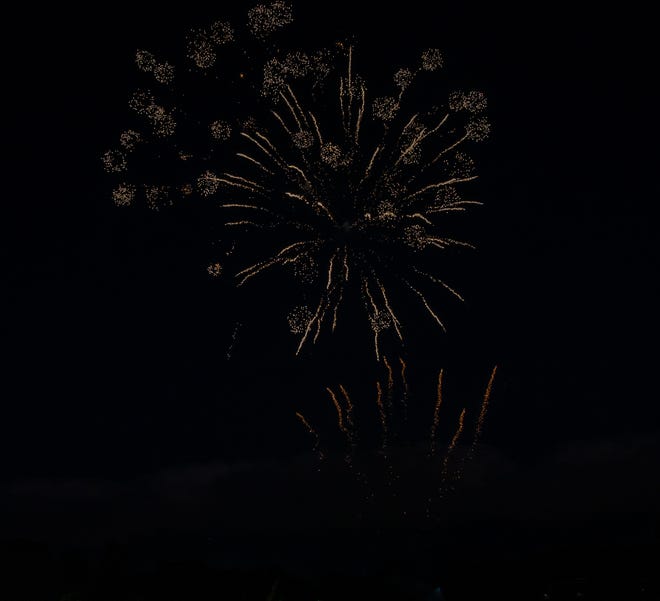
(436, 413)
(295, 100)
(313, 432)
(381, 412)
(232, 344)
(448, 468)
(390, 382)
(454, 441)
(484, 407)
(349, 408)
(443, 284)
(293, 112)
(395, 321)
(371, 161)
(316, 127)
(340, 413)
(309, 327)
(428, 308)
(404, 398)
(254, 161)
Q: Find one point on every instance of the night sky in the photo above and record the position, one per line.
(124, 423)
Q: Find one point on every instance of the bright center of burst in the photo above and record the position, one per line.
(346, 232)
(352, 231)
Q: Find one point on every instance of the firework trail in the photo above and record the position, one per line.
(436, 413)
(382, 413)
(390, 383)
(453, 443)
(481, 419)
(349, 414)
(404, 397)
(340, 415)
(317, 440)
(343, 190)
(232, 344)
(484, 405)
(469, 455)
(346, 425)
(383, 468)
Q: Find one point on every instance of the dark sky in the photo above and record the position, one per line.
(122, 418)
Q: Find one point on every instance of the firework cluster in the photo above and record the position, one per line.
(353, 194)
(264, 20)
(203, 44)
(353, 188)
(371, 464)
(340, 186)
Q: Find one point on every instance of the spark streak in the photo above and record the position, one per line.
(454, 441)
(381, 412)
(390, 382)
(282, 123)
(395, 321)
(404, 399)
(443, 284)
(436, 414)
(484, 406)
(449, 182)
(313, 432)
(340, 413)
(255, 162)
(316, 127)
(428, 308)
(295, 100)
(293, 112)
(349, 407)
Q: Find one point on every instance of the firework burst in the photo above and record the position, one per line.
(345, 189)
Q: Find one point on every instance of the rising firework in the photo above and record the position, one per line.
(397, 461)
